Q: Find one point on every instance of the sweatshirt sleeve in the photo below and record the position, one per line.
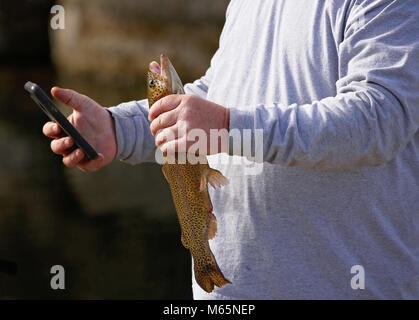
(134, 139)
(200, 87)
(375, 112)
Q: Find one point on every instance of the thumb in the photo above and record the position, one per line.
(73, 99)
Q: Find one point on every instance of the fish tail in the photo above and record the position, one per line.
(210, 275)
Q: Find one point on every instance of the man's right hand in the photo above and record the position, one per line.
(93, 122)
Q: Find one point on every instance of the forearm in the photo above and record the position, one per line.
(374, 113)
(368, 127)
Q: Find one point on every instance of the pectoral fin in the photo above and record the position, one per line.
(204, 182)
(214, 177)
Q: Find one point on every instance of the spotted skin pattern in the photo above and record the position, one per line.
(189, 186)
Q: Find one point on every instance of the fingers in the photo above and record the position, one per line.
(61, 146)
(174, 146)
(91, 165)
(51, 130)
(164, 120)
(77, 158)
(74, 158)
(163, 105)
(166, 135)
(73, 99)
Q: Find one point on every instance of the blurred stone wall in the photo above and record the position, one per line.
(113, 41)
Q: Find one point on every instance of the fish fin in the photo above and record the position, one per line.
(212, 226)
(215, 178)
(204, 183)
(209, 275)
(183, 239)
(164, 173)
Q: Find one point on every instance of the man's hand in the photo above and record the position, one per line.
(174, 117)
(93, 122)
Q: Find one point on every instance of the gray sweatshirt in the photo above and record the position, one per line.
(333, 210)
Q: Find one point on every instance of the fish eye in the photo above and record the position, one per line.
(151, 83)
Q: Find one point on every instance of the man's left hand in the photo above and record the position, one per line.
(174, 118)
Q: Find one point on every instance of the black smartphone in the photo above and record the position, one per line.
(51, 110)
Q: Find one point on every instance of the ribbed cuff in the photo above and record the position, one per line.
(125, 134)
(241, 138)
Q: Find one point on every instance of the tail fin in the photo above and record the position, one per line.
(209, 275)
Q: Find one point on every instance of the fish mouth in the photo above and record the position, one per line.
(166, 67)
(155, 68)
(167, 72)
(162, 69)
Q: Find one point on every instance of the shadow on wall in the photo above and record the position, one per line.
(114, 231)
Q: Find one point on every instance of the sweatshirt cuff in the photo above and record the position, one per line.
(242, 132)
(126, 134)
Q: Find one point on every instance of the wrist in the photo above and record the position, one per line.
(223, 134)
(114, 147)
(226, 119)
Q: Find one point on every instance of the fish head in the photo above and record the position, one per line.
(162, 80)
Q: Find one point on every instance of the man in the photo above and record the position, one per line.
(334, 87)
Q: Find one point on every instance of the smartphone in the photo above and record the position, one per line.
(51, 110)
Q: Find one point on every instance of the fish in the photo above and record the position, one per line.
(189, 188)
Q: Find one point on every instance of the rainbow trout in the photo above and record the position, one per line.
(189, 186)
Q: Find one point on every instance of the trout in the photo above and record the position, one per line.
(189, 187)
